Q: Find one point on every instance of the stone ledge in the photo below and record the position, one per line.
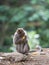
(34, 58)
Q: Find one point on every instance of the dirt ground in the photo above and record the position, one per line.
(33, 58)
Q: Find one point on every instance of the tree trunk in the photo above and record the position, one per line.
(2, 36)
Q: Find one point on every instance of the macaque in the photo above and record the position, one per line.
(21, 41)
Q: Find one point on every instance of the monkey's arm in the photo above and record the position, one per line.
(16, 40)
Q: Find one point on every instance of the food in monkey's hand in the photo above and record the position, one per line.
(23, 37)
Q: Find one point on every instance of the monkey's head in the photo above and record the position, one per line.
(20, 31)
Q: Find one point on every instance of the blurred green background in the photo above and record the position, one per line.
(32, 15)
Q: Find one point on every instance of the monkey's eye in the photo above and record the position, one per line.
(19, 31)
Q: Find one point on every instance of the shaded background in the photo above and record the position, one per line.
(32, 15)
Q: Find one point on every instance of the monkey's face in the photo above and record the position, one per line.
(20, 31)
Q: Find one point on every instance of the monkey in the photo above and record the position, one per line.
(21, 41)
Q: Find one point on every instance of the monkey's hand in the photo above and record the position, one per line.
(23, 37)
(19, 41)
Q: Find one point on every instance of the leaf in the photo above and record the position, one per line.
(34, 17)
(33, 1)
(18, 16)
(44, 15)
(28, 8)
(4, 8)
(3, 18)
(23, 23)
(13, 11)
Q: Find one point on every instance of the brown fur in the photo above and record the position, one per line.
(20, 40)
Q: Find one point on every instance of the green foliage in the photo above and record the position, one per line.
(19, 16)
(20, 13)
(7, 44)
(4, 8)
(45, 38)
(8, 41)
(5, 49)
(31, 40)
(4, 13)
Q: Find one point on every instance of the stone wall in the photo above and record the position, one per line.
(34, 58)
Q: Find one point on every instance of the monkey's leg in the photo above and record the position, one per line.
(26, 48)
(19, 48)
(22, 48)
